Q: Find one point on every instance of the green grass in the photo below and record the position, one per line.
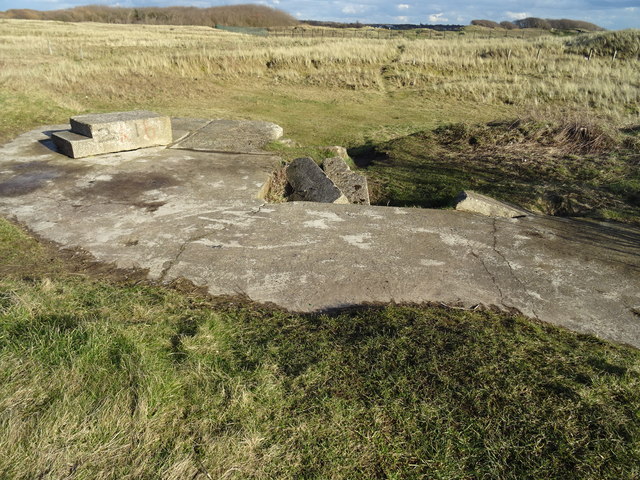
(573, 168)
(119, 380)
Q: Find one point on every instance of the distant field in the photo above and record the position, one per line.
(319, 89)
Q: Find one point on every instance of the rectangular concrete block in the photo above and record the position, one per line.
(138, 126)
(95, 134)
(74, 145)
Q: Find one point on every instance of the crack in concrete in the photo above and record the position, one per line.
(491, 275)
(511, 269)
(176, 259)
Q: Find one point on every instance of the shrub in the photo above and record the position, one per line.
(508, 25)
(533, 22)
(485, 23)
(625, 42)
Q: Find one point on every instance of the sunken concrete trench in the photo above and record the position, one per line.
(191, 209)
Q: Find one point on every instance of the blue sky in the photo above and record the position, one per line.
(611, 14)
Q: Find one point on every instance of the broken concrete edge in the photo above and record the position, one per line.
(352, 185)
(473, 202)
(78, 260)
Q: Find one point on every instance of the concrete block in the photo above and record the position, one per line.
(138, 127)
(310, 184)
(74, 145)
(352, 184)
(468, 201)
(96, 134)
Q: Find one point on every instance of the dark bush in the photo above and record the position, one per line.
(508, 25)
(235, 15)
(485, 23)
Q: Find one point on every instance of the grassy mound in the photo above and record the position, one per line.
(101, 380)
(570, 168)
(625, 42)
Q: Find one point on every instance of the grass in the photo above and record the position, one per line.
(111, 380)
(318, 89)
(105, 377)
(570, 168)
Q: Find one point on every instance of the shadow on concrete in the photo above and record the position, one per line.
(619, 239)
(48, 143)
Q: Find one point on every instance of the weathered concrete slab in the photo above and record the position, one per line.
(352, 184)
(96, 134)
(182, 127)
(310, 184)
(234, 136)
(469, 201)
(195, 215)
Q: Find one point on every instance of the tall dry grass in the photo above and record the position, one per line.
(65, 63)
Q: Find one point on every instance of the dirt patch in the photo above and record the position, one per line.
(31, 176)
(129, 187)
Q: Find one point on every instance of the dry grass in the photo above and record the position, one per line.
(50, 70)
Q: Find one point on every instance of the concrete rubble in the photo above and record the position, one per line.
(353, 185)
(309, 183)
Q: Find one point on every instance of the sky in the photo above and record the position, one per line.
(610, 14)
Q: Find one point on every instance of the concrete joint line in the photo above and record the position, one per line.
(189, 135)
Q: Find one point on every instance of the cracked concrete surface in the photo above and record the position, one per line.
(195, 214)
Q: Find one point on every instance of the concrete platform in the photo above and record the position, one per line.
(195, 214)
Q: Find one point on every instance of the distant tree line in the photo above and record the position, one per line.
(236, 15)
(389, 26)
(543, 23)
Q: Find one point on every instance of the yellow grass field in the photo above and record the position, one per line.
(321, 90)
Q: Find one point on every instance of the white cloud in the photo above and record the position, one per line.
(401, 19)
(630, 9)
(402, 6)
(353, 8)
(517, 15)
(437, 17)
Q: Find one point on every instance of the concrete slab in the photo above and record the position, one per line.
(182, 127)
(136, 125)
(234, 136)
(75, 145)
(194, 215)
